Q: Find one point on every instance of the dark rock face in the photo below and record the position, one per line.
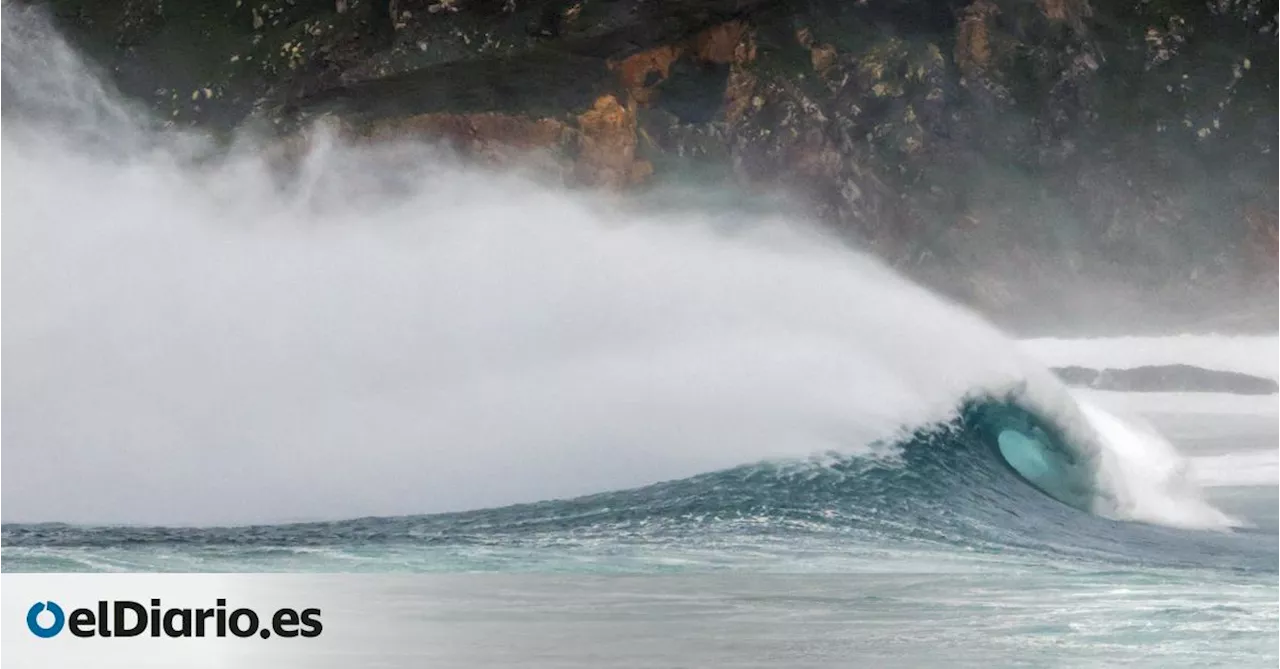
(1042, 160)
(1168, 378)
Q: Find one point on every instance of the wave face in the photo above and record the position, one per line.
(945, 490)
(196, 337)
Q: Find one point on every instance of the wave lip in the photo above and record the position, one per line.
(1093, 460)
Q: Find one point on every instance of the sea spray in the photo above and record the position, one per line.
(195, 338)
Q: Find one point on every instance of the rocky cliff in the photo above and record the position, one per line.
(1041, 159)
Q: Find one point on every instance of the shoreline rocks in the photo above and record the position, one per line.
(1167, 378)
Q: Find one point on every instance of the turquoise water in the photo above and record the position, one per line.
(939, 546)
(948, 489)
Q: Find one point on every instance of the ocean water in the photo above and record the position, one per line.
(642, 430)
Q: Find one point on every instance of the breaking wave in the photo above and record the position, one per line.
(198, 336)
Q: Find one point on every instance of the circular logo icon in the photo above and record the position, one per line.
(33, 619)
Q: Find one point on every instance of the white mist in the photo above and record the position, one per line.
(204, 341)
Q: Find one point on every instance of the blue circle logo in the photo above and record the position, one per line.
(33, 619)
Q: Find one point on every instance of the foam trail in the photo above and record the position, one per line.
(192, 340)
(1146, 478)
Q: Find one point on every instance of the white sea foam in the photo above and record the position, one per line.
(196, 341)
(1145, 478)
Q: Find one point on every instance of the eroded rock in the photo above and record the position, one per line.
(1168, 378)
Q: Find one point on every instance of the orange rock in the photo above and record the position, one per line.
(823, 57)
(607, 145)
(973, 38)
(805, 37)
(726, 43)
(1068, 11)
(729, 42)
(598, 150)
(738, 92)
(641, 170)
(635, 71)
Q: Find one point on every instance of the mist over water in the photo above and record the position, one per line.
(196, 337)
